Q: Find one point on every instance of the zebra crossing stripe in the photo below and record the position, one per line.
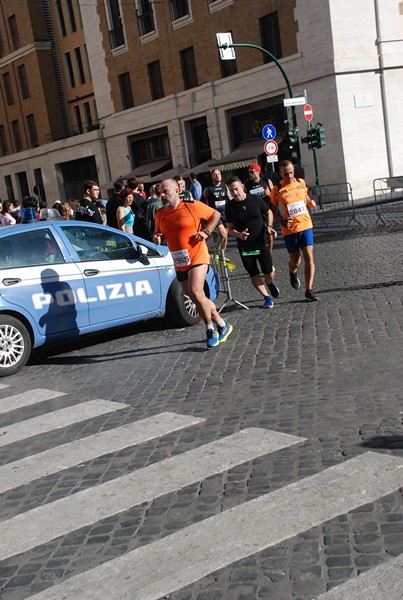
(155, 570)
(68, 455)
(45, 523)
(56, 420)
(384, 582)
(27, 399)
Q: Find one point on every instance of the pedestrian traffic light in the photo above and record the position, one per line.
(320, 136)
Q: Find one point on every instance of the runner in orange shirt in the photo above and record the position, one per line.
(186, 227)
(290, 202)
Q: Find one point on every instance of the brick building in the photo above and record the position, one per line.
(165, 98)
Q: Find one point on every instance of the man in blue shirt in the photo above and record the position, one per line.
(195, 187)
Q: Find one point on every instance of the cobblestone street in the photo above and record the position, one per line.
(320, 383)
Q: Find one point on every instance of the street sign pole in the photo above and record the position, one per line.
(287, 81)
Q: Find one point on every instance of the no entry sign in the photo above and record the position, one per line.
(308, 112)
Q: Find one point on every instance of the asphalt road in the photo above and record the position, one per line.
(137, 464)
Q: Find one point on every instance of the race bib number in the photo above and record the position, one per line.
(295, 209)
(219, 204)
(181, 258)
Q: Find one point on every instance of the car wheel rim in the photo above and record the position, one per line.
(11, 346)
(190, 306)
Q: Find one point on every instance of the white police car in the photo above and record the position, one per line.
(61, 279)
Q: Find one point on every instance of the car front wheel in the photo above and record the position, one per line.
(15, 345)
(180, 308)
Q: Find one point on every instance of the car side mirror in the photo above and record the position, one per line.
(142, 255)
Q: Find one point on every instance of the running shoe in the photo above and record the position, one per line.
(295, 282)
(224, 332)
(212, 338)
(274, 290)
(310, 296)
(268, 302)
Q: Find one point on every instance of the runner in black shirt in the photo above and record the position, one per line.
(248, 221)
(217, 196)
(260, 188)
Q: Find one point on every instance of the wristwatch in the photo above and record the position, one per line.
(207, 232)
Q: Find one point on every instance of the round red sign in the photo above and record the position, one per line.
(308, 112)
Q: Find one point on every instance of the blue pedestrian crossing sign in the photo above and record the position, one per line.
(269, 132)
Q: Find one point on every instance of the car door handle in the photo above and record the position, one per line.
(91, 272)
(11, 281)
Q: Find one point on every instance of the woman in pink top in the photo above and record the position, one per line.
(5, 215)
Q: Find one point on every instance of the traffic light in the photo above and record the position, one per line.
(312, 139)
(320, 136)
(292, 137)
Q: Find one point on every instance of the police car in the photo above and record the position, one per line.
(62, 279)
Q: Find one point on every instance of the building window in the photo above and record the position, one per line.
(22, 76)
(87, 62)
(14, 35)
(9, 187)
(79, 65)
(88, 116)
(146, 147)
(33, 136)
(23, 184)
(72, 16)
(8, 89)
(78, 119)
(39, 189)
(155, 78)
(179, 9)
(116, 32)
(126, 91)
(3, 141)
(1, 46)
(15, 126)
(270, 36)
(69, 68)
(145, 15)
(189, 72)
(60, 18)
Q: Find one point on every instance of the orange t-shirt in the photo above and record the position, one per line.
(290, 200)
(178, 226)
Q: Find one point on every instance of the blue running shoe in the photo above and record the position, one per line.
(212, 338)
(274, 290)
(224, 332)
(268, 302)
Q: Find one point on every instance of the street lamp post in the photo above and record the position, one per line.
(225, 45)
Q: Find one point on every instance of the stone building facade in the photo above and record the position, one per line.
(157, 95)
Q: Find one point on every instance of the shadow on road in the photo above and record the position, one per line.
(385, 442)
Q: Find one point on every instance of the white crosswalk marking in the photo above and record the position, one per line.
(57, 420)
(384, 581)
(68, 455)
(58, 518)
(175, 561)
(160, 568)
(27, 399)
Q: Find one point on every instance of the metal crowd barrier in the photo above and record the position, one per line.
(333, 200)
(223, 267)
(388, 196)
